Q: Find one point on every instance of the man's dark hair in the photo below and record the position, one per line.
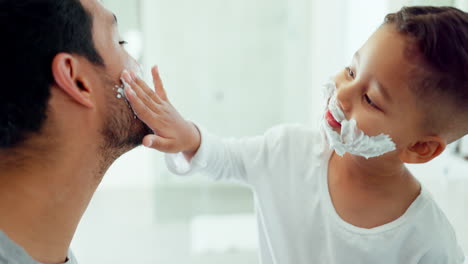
(33, 33)
(438, 38)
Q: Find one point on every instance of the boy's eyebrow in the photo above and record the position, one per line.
(114, 22)
(383, 91)
(356, 55)
(380, 87)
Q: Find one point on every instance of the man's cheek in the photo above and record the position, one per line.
(131, 64)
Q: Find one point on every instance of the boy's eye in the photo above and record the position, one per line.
(369, 101)
(350, 72)
(123, 42)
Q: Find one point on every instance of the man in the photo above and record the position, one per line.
(62, 122)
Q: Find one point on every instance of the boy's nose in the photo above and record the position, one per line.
(344, 98)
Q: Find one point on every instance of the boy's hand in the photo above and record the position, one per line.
(173, 133)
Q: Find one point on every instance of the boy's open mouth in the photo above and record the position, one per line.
(331, 120)
(334, 115)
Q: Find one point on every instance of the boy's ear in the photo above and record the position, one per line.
(65, 70)
(424, 150)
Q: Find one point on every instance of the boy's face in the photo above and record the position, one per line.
(374, 89)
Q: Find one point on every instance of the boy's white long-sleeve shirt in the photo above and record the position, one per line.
(287, 169)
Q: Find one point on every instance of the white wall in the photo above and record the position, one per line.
(222, 61)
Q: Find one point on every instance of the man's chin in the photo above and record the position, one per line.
(118, 139)
(135, 139)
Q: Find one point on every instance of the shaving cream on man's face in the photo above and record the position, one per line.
(352, 139)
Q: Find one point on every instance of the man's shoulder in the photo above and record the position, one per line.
(71, 258)
(11, 253)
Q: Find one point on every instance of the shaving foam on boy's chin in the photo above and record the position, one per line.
(352, 139)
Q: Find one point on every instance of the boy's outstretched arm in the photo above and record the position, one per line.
(172, 133)
(279, 152)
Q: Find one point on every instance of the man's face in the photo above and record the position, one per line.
(120, 128)
(374, 89)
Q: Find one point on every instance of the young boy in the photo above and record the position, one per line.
(345, 195)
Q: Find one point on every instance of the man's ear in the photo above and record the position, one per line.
(424, 150)
(65, 70)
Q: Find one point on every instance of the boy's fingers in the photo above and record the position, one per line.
(147, 90)
(143, 112)
(158, 85)
(135, 87)
(156, 142)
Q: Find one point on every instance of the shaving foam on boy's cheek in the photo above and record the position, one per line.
(352, 139)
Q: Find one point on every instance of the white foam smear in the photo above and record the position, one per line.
(352, 139)
(120, 89)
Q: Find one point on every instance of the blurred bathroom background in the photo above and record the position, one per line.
(237, 67)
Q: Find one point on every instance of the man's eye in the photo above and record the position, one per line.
(123, 42)
(350, 72)
(369, 101)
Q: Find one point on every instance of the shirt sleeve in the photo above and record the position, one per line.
(441, 256)
(446, 250)
(244, 160)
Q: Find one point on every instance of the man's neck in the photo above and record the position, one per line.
(42, 202)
